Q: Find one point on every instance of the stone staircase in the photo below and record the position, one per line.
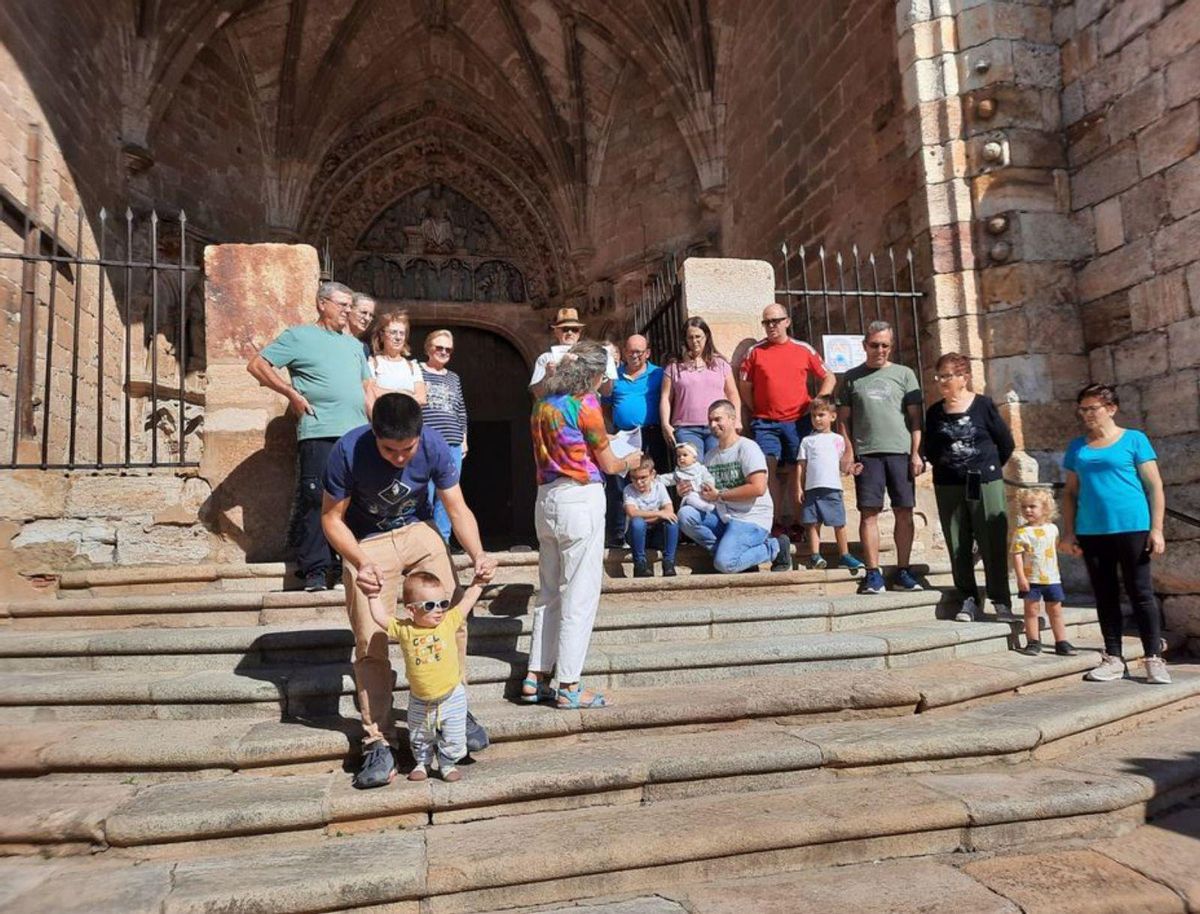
(179, 739)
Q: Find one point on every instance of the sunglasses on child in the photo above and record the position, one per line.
(430, 606)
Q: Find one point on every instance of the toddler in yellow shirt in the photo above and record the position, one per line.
(437, 698)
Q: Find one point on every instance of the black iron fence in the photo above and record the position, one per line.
(835, 295)
(91, 391)
(659, 316)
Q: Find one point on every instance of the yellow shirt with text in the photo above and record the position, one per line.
(430, 655)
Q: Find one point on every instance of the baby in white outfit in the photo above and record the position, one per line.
(688, 468)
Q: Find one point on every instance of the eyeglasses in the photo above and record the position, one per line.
(397, 334)
(574, 330)
(1088, 410)
(879, 345)
(638, 352)
(444, 350)
(940, 378)
(430, 606)
(773, 321)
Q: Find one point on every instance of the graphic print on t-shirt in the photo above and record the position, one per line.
(960, 432)
(728, 475)
(427, 649)
(396, 503)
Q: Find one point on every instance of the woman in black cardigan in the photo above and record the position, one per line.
(967, 444)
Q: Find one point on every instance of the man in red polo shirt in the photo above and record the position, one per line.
(774, 388)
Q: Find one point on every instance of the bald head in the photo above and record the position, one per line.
(775, 322)
(637, 352)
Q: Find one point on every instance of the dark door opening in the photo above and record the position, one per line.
(498, 473)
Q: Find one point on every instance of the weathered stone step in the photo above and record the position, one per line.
(600, 770)
(236, 745)
(566, 854)
(279, 576)
(324, 690)
(265, 608)
(230, 648)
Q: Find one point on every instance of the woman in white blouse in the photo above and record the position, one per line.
(392, 371)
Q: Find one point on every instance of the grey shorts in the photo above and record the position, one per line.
(823, 506)
(881, 473)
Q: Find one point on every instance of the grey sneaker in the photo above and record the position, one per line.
(1110, 668)
(378, 768)
(1156, 671)
(968, 612)
(1004, 612)
(477, 737)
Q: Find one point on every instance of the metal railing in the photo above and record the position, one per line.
(1180, 516)
(121, 279)
(659, 316)
(849, 304)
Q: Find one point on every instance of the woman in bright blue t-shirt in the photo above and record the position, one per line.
(1113, 516)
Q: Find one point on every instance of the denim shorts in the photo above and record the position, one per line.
(1048, 593)
(780, 440)
(823, 506)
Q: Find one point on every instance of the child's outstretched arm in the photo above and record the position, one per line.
(470, 596)
(378, 613)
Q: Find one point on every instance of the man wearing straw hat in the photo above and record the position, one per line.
(568, 330)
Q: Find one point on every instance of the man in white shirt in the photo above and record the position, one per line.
(738, 532)
(568, 330)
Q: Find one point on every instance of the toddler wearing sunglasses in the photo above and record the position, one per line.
(437, 698)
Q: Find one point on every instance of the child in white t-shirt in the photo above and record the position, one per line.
(652, 520)
(1035, 562)
(819, 460)
(688, 468)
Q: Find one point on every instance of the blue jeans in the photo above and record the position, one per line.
(698, 436)
(440, 518)
(660, 534)
(735, 545)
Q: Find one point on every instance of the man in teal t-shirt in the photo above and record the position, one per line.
(328, 372)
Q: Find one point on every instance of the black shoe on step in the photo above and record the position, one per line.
(642, 570)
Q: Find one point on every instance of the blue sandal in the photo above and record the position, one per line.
(543, 691)
(574, 699)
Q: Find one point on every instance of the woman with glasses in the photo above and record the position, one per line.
(1113, 511)
(698, 378)
(967, 444)
(571, 450)
(391, 369)
(445, 410)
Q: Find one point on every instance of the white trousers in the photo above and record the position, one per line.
(570, 526)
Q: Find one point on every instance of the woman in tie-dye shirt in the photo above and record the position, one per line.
(570, 447)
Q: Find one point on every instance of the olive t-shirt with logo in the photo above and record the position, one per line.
(878, 398)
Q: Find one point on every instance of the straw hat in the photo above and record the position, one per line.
(567, 317)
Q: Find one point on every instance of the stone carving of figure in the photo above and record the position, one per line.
(436, 228)
(516, 285)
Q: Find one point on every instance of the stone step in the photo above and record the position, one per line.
(273, 745)
(250, 608)
(626, 846)
(521, 565)
(603, 769)
(618, 622)
(325, 690)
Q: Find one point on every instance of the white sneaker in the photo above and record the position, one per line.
(1156, 671)
(968, 612)
(1110, 668)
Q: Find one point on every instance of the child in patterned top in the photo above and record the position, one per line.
(1035, 561)
(437, 698)
(688, 468)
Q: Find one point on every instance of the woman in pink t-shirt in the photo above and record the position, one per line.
(691, 384)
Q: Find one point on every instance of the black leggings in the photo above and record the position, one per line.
(1104, 555)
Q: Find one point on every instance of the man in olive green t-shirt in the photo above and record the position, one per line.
(328, 373)
(880, 420)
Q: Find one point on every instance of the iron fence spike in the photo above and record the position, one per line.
(154, 216)
(129, 214)
(838, 259)
(103, 214)
(182, 216)
(783, 249)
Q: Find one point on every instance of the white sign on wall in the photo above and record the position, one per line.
(843, 351)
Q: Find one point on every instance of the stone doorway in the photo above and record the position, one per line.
(498, 474)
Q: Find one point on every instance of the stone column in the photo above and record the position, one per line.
(253, 291)
(730, 295)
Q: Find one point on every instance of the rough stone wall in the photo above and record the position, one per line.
(814, 127)
(1131, 112)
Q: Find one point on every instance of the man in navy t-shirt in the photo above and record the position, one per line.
(376, 514)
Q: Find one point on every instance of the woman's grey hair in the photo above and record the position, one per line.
(879, 327)
(576, 373)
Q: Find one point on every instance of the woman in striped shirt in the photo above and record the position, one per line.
(444, 409)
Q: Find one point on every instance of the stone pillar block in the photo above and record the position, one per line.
(252, 292)
(730, 295)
